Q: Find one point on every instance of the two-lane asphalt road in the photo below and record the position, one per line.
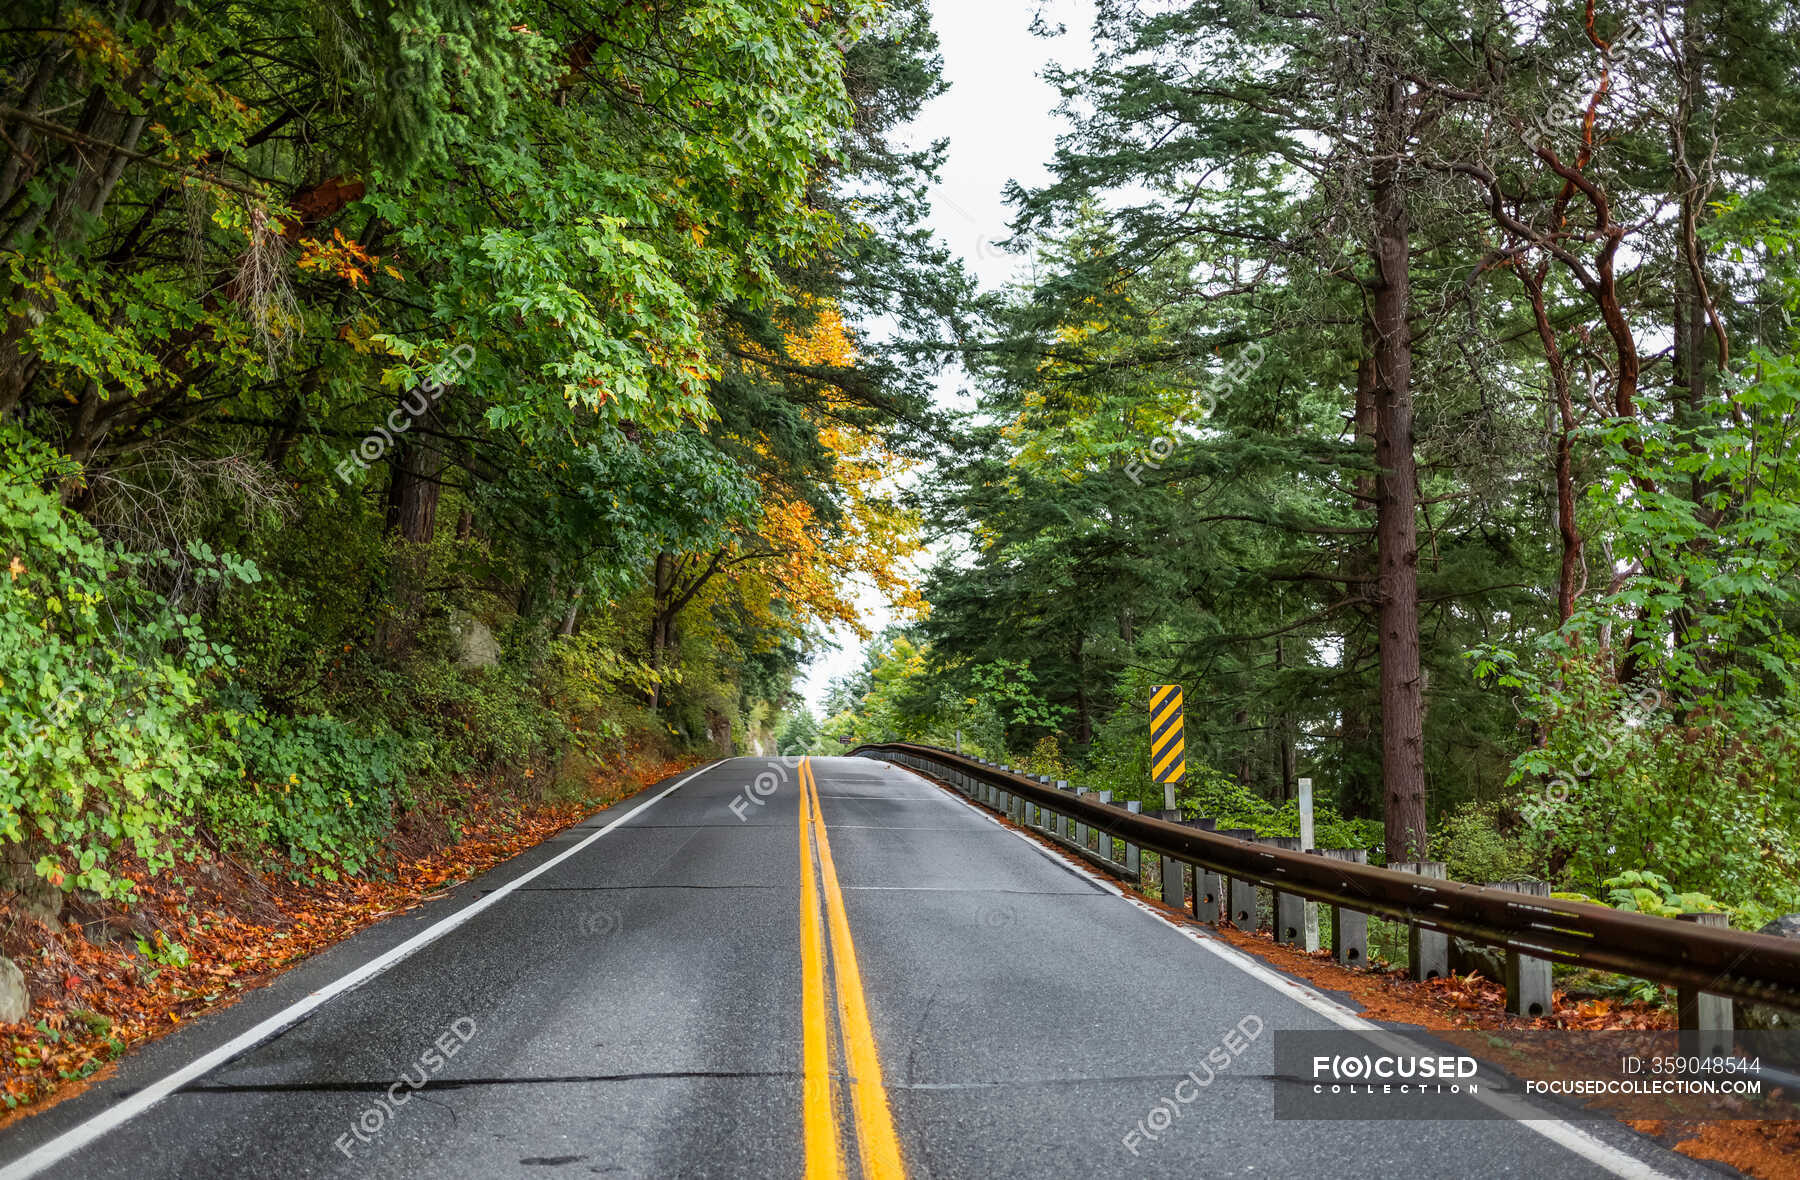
(764, 969)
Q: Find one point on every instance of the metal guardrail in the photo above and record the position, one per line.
(1711, 959)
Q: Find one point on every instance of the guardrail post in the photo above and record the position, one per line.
(1527, 979)
(1349, 928)
(1241, 895)
(1429, 950)
(1290, 908)
(1103, 838)
(1174, 881)
(1702, 1015)
(1081, 829)
(1134, 863)
(1206, 902)
(1059, 823)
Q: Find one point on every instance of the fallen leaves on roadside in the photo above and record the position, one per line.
(92, 1000)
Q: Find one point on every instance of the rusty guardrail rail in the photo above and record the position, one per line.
(1686, 955)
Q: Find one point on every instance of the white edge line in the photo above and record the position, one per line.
(1564, 1134)
(126, 1109)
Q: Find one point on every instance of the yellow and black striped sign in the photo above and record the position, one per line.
(1166, 759)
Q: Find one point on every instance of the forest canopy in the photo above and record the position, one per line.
(1415, 385)
(400, 394)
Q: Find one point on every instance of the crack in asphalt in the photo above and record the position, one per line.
(629, 888)
(349, 1087)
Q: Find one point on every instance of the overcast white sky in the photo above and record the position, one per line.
(998, 118)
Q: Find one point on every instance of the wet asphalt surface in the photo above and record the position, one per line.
(635, 1012)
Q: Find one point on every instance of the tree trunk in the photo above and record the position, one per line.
(1572, 562)
(1284, 743)
(1359, 789)
(416, 464)
(1084, 718)
(1396, 482)
(1246, 772)
(662, 619)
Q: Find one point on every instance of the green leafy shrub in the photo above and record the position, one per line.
(311, 789)
(1648, 893)
(464, 720)
(106, 736)
(1470, 842)
(1620, 783)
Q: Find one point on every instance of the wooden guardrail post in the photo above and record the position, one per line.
(1289, 908)
(1701, 1015)
(1241, 895)
(1527, 979)
(1174, 880)
(1208, 900)
(1349, 928)
(1429, 950)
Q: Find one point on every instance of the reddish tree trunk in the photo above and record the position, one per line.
(1396, 498)
(1565, 444)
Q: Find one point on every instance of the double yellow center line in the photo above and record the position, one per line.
(878, 1146)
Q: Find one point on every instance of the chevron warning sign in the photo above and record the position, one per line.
(1166, 759)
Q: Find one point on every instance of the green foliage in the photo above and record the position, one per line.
(1009, 686)
(162, 950)
(1646, 892)
(102, 686)
(1619, 783)
(1475, 849)
(797, 732)
(592, 681)
(311, 790)
(514, 305)
(475, 718)
(1047, 758)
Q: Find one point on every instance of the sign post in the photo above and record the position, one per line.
(1167, 761)
(1306, 845)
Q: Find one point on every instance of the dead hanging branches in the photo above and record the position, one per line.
(262, 288)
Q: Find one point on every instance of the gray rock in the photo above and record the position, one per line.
(476, 646)
(31, 894)
(1766, 1016)
(15, 1001)
(1787, 926)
